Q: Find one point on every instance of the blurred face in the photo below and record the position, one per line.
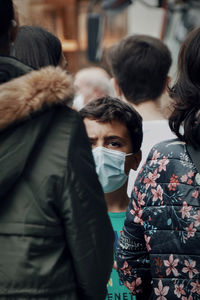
(82, 88)
(112, 135)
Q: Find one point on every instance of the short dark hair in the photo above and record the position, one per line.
(37, 47)
(107, 109)
(140, 64)
(6, 15)
(186, 91)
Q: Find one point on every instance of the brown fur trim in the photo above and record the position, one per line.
(29, 93)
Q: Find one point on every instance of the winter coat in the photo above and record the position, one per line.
(56, 240)
(158, 254)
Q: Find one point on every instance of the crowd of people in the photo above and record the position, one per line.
(100, 193)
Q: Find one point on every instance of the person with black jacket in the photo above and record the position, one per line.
(56, 240)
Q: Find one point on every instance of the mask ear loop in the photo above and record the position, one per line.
(129, 154)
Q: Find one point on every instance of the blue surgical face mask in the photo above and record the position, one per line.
(110, 168)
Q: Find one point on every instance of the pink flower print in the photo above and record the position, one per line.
(184, 178)
(163, 164)
(135, 189)
(189, 181)
(161, 291)
(137, 212)
(185, 210)
(138, 281)
(185, 298)
(140, 170)
(155, 156)
(171, 264)
(190, 173)
(179, 290)
(132, 286)
(190, 268)
(173, 182)
(157, 194)
(190, 230)
(140, 198)
(147, 240)
(126, 269)
(151, 179)
(197, 218)
(195, 194)
(195, 287)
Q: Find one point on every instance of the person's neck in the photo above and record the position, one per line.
(118, 200)
(149, 110)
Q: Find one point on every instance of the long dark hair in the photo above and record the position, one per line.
(186, 91)
(6, 17)
(37, 47)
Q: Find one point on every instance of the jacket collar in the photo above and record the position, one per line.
(11, 67)
(33, 91)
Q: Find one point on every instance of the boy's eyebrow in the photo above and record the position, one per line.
(112, 137)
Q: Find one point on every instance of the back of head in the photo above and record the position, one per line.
(37, 47)
(140, 65)
(6, 17)
(186, 91)
(107, 109)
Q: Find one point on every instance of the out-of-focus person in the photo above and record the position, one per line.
(91, 83)
(56, 240)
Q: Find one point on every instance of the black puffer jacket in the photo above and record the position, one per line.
(158, 254)
(56, 241)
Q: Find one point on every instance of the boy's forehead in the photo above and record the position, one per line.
(112, 128)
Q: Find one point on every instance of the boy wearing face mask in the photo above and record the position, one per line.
(115, 131)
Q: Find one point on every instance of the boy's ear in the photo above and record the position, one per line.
(136, 159)
(116, 87)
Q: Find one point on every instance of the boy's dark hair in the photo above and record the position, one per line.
(140, 64)
(37, 47)
(186, 91)
(107, 109)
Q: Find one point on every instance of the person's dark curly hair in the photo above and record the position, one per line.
(107, 109)
(186, 91)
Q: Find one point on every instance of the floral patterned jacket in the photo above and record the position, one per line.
(158, 253)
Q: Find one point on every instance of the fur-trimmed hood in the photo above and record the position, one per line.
(27, 94)
(20, 98)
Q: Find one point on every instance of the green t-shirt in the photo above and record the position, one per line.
(116, 289)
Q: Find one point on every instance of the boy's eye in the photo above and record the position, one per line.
(115, 144)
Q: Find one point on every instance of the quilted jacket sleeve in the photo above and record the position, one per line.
(88, 229)
(132, 253)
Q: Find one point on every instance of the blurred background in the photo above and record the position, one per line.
(87, 27)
